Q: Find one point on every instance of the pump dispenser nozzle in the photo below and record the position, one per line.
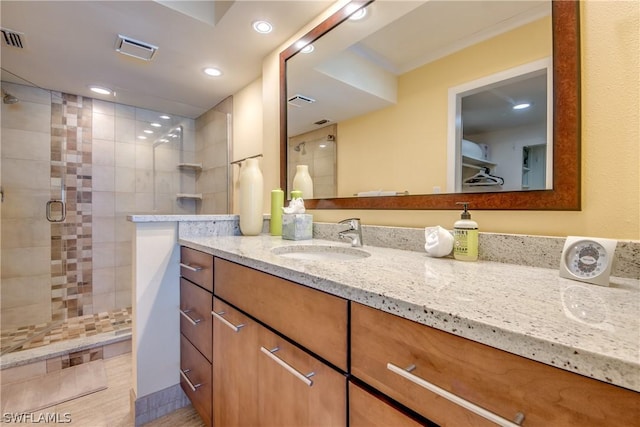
(465, 214)
(465, 235)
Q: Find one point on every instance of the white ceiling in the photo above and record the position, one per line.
(69, 45)
(353, 69)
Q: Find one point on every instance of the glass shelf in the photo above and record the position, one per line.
(189, 196)
(190, 166)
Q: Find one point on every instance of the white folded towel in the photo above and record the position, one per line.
(377, 193)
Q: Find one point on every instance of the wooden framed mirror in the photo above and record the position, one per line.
(565, 193)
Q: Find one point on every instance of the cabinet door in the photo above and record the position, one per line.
(235, 368)
(296, 389)
(367, 410)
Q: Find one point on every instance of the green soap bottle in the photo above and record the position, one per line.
(277, 202)
(465, 236)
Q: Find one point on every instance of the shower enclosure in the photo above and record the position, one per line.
(318, 150)
(72, 168)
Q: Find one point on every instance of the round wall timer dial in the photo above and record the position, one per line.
(587, 259)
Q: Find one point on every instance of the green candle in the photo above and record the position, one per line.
(277, 202)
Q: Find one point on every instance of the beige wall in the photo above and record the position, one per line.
(405, 146)
(610, 134)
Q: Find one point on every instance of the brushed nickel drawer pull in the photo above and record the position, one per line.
(302, 377)
(226, 322)
(191, 320)
(405, 373)
(189, 267)
(183, 374)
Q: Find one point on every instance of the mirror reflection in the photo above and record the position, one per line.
(408, 90)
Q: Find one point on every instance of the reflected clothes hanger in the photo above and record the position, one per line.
(483, 178)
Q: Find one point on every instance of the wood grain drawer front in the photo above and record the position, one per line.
(295, 388)
(314, 319)
(195, 378)
(197, 267)
(499, 382)
(195, 316)
(367, 410)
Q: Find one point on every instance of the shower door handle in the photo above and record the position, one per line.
(63, 211)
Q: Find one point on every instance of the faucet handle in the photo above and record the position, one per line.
(354, 223)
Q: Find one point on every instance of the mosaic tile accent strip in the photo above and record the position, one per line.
(33, 336)
(71, 240)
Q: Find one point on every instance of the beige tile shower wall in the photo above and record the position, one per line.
(26, 247)
(212, 149)
(319, 154)
(127, 175)
(132, 176)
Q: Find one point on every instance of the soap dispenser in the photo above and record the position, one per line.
(465, 234)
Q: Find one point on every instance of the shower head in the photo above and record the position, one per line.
(301, 146)
(7, 98)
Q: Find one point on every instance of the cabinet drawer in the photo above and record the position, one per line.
(500, 382)
(314, 319)
(195, 378)
(195, 316)
(367, 410)
(197, 267)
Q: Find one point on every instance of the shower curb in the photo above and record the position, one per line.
(112, 344)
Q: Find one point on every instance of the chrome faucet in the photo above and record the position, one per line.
(353, 233)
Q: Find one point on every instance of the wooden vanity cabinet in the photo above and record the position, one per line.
(262, 378)
(196, 349)
(383, 345)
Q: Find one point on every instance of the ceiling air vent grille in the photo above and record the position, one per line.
(300, 100)
(12, 38)
(135, 48)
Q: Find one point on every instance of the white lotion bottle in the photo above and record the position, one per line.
(251, 197)
(465, 235)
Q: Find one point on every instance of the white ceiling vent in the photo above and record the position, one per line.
(12, 38)
(300, 100)
(135, 48)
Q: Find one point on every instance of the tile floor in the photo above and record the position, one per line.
(33, 336)
(110, 407)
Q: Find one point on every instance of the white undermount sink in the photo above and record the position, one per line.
(320, 252)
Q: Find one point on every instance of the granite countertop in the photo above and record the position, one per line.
(529, 311)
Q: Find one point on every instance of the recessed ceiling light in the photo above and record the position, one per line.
(358, 14)
(156, 125)
(142, 137)
(212, 72)
(307, 49)
(147, 131)
(262, 27)
(521, 106)
(165, 117)
(101, 90)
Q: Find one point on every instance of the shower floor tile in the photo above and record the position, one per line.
(34, 336)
